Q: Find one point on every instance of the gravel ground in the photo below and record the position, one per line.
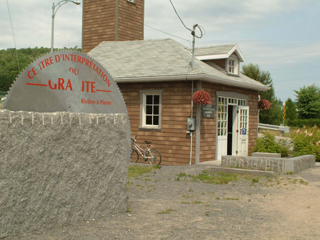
(162, 205)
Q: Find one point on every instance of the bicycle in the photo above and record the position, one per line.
(153, 156)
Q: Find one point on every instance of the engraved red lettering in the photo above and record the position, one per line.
(93, 87)
(69, 85)
(32, 73)
(88, 86)
(60, 83)
(50, 86)
(57, 58)
(48, 61)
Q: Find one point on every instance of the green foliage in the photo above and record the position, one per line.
(269, 144)
(253, 71)
(307, 141)
(273, 115)
(308, 102)
(13, 61)
(2, 94)
(304, 122)
(291, 110)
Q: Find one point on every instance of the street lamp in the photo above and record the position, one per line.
(54, 11)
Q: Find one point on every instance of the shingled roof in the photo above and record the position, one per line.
(162, 60)
(218, 52)
(214, 50)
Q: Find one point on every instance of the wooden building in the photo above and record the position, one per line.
(111, 20)
(157, 83)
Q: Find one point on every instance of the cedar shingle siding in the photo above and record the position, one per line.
(111, 20)
(172, 140)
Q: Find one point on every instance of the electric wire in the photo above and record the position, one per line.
(14, 39)
(179, 17)
(194, 26)
(167, 33)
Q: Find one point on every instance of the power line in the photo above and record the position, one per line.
(193, 33)
(194, 26)
(180, 17)
(167, 33)
(14, 39)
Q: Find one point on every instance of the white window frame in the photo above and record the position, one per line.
(234, 68)
(143, 108)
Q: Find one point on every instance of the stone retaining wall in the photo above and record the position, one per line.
(280, 165)
(60, 168)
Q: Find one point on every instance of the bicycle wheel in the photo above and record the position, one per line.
(155, 157)
(134, 156)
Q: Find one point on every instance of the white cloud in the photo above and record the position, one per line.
(250, 23)
(31, 22)
(274, 53)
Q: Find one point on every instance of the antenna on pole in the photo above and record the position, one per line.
(193, 33)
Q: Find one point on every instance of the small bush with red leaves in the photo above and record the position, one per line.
(264, 104)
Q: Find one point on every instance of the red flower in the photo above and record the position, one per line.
(264, 104)
(201, 97)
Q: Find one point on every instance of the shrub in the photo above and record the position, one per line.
(303, 122)
(307, 141)
(264, 104)
(269, 144)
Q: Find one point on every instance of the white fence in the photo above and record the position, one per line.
(284, 129)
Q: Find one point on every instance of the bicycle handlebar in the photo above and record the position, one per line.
(135, 138)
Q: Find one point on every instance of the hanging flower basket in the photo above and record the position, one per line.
(264, 104)
(201, 97)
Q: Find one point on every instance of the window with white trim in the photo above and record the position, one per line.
(233, 66)
(150, 109)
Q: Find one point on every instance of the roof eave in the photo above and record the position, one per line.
(195, 77)
(235, 49)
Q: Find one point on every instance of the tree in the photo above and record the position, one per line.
(254, 72)
(10, 67)
(273, 115)
(291, 110)
(308, 102)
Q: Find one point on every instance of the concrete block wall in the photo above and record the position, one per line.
(60, 168)
(280, 165)
(298, 164)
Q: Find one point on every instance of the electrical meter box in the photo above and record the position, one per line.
(190, 124)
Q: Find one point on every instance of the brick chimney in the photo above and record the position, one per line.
(111, 20)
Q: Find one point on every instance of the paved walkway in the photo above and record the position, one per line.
(312, 175)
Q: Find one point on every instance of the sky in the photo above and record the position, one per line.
(281, 36)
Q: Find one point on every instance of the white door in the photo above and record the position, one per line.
(243, 131)
(222, 129)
